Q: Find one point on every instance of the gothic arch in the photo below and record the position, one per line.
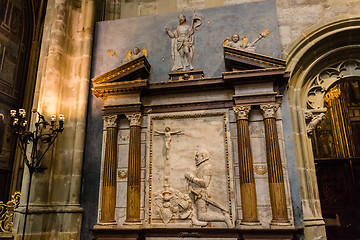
(316, 62)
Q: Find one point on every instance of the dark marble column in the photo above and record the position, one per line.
(134, 170)
(276, 177)
(246, 171)
(108, 202)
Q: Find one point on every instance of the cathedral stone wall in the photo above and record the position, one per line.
(295, 17)
(62, 86)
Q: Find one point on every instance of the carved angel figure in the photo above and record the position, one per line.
(244, 43)
(182, 43)
(136, 53)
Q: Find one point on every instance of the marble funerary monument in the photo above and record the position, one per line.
(193, 142)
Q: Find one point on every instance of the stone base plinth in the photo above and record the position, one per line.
(186, 75)
(49, 222)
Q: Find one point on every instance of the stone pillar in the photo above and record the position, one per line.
(276, 177)
(134, 170)
(62, 87)
(246, 171)
(108, 202)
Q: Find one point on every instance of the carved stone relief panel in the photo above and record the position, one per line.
(189, 171)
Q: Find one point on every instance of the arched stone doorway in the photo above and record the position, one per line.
(325, 57)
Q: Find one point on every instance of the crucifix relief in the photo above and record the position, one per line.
(167, 133)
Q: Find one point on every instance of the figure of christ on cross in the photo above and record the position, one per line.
(167, 135)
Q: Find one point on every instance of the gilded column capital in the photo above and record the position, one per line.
(269, 110)
(110, 121)
(135, 119)
(242, 112)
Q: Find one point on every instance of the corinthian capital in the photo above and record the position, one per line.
(242, 112)
(110, 121)
(269, 110)
(135, 119)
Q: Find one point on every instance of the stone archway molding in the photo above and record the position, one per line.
(325, 56)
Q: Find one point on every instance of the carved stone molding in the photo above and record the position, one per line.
(269, 110)
(110, 121)
(313, 118)
(135, 119)
(242, 112)
(321, 83)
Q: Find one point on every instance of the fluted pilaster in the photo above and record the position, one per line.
(246, 172)
(134, 170)
(275, 173)
(108, 202)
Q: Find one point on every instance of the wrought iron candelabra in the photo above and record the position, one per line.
(41, 138)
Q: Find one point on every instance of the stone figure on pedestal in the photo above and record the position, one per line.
(182, 43)
(198, 186)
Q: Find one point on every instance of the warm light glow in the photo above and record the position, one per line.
(22, 113)
(15, 121)
(53, 118)
(12, 113)
(61, 117)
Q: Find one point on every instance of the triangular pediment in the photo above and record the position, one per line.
(130, 76)
(238, 60)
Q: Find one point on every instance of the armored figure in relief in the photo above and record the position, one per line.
(198, 187)
(182, 43)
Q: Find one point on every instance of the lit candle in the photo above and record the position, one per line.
(12, 113)
(53, 118)
(22, 113)
(16, 121)
(61, 121)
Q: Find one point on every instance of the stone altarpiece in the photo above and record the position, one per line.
(200, 156)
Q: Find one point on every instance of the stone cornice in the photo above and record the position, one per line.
(277, 74)
(129, 77)
(241, 59)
